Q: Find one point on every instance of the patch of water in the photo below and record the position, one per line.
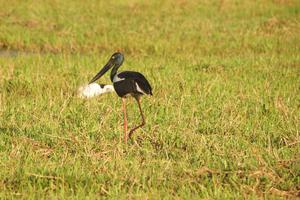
(9, 53)
(13, 53)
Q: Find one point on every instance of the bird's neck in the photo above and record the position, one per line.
(113, 72)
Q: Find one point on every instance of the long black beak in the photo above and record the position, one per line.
(102, 71)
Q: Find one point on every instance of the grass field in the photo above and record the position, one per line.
(223, 122)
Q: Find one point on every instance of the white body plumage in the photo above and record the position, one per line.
(94, 89)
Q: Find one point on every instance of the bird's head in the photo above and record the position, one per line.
(116, 60)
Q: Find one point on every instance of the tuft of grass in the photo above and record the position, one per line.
(223, 122)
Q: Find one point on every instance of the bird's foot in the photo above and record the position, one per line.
(130, 134)
(134, 129)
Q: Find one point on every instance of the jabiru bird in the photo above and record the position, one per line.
(126, 83)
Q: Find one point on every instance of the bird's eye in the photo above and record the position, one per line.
(113, 57)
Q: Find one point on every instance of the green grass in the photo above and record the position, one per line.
(223, 122)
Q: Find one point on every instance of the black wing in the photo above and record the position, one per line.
(139, 79)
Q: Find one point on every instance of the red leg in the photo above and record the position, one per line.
(125, 120)
(143, 118)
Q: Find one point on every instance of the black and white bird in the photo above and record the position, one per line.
(126, 83)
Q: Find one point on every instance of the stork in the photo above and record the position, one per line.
(126, 83)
